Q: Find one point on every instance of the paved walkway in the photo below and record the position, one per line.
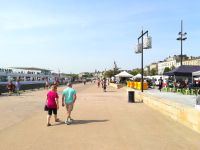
(104, 121)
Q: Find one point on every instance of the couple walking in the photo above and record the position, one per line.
(68, 100)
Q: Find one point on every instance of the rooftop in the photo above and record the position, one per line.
(31, 68)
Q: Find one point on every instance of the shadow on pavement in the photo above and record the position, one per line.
(137, 102)
(110, 91)
(77, 122)
(141, 102)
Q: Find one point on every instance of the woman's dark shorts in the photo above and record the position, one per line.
(50, 110)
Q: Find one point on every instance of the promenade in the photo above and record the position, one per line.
(103, 121)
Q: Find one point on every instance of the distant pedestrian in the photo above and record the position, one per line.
(174, 84)
(153, 81)
(104, 85)
(197, 106)
(160, 84)
(52, 104)
(11, 88)
(17, 86)
(56, 83)
(68, 100)
(98, 83)
(47, 85)
(108, 82)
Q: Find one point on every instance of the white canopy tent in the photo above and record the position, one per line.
(196, 74)
(124, 74)
(138, 75)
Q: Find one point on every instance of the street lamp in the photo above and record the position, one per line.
(182, 38)
(139, 49)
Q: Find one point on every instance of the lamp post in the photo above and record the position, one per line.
(140, 48)
(182, 38)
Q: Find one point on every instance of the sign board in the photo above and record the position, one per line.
(147, 42)
(138, 48)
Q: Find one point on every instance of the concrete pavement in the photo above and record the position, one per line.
(103, 121)
(188, 100)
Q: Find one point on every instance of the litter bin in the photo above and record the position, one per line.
(131, 96)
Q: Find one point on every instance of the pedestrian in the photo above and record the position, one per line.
(98, 83)
(11, 88)
(17, 86)
(47, 84)
(160, 84)
(68, 100)
(56, 83)
(153, 82)
(104, 85)
(52, 104)
(197, 106)
(108, 82)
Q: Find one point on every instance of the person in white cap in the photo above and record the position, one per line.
(197, 106)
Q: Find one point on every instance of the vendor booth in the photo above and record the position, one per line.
(123, 76)
(182, 78)
(183, 72)
(196, 74)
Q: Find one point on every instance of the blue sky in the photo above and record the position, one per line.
(84, 35)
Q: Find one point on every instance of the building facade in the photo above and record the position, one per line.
(194, 62)
(164, 64)
(170, 62)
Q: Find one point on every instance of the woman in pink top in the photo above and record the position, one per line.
(52, 104)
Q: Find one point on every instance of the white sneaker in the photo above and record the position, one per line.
(67, 122)
(70, 120)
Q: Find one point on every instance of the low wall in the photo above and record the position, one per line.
(183, 114)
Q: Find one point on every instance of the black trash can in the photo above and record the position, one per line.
(131, 96)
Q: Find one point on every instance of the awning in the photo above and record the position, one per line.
(124, 74)
(196, 74)
(183, 70)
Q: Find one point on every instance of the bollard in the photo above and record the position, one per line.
(131, 96)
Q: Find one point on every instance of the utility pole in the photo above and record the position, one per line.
(182, 38)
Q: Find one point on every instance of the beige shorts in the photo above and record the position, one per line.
(69, 107)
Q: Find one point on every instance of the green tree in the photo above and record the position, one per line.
(115, 69)
(146, 73)
(167, 69)
(173, 67)
(135, 71)
(153, 72)
(109, 74)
